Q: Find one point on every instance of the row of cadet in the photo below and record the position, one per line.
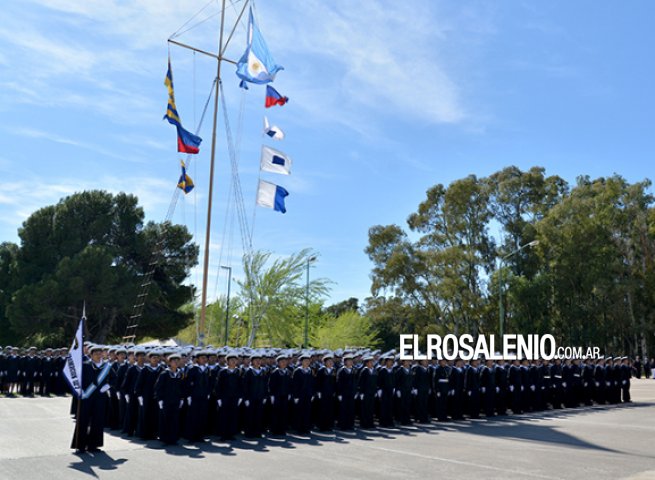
(168, 394)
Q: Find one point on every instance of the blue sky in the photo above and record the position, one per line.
(387, 99)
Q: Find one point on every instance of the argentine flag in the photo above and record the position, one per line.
(272, 196)
(274, 161)
(256, 64)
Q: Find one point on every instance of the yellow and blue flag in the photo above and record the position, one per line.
(184, 183)
(187, 142)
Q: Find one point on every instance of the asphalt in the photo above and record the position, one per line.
(608, 442)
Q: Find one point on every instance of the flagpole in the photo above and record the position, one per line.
(205, 267)
(79, 398)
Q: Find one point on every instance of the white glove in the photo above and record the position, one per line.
(272, 399)
(161, 404)
(483, 389)
(522, 388)
(469, 393)
(127, 398)
(181, 402)
(140, 401)
(452, 393)
(288, 397)
(339, 397)
(109, 394)
(532, 387)
(380, 392)
(104, 388)
(414, 391)
(219, 402)
(624, 382)
(247, 403)
(296, 400)
(585, 384)
(361, 396)
(564, 384)
(438, 394)
(208, 397)
(497, 389)
(118, 395)
(188, 400)
(318, 394)
(398, 393)
(597, 384)
(511, 388)
(264, 401)
(239, 402)
(355, 397)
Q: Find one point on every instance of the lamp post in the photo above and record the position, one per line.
(501, 306)
(227, 304)
(306, 341)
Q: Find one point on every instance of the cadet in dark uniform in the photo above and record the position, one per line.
(127, 392)
(255, 394)
(488, 388)
(386, 392)
(556, 386)
(326, 384)
(515, 386)
(440, 388)
(169, 396)
(196, 392)
(421, 391)
(456, 385)
(346, 394)
(228, 391)
(404, 385)
(367, 388)
(472, 387)
(302, 392)
(599, 381)
(144, 390)
(500, 372)
(90, 422)
(279, 389)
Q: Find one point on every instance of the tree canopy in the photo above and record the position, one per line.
(93, 247)
(587, 280)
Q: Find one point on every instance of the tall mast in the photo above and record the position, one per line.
(220, 59)
(205, 266)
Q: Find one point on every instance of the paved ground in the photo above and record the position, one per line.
(597, 443)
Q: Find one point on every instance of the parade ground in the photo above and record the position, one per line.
(603, 442)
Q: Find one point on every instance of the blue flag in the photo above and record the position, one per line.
(256, 64)
(272, 196)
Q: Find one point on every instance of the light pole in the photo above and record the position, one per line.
(501, 306)
(227, 304)
(306, 342)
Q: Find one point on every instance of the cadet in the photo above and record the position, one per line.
(515, 387)
(169, 395)
(440, 381)
(144, 389)
(367, 387)
(302, 391)
(127, 392)
(472, 386)
(626, 373)
(403, 402)
(488, 387)
(346, 394)
(254, 394)
(421, 391)
(279, 389)
(196, 391)
(90, 421)
(326, 383)
(456, 392)
(500, 372)
(228, 391)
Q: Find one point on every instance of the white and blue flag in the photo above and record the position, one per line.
(272, 196)
(73, 366)
(273, 131)
(256, 64)
(274, 161)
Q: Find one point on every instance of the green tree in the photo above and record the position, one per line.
(274, 297)
(8, 284)
(94, 247)
(349, 329)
